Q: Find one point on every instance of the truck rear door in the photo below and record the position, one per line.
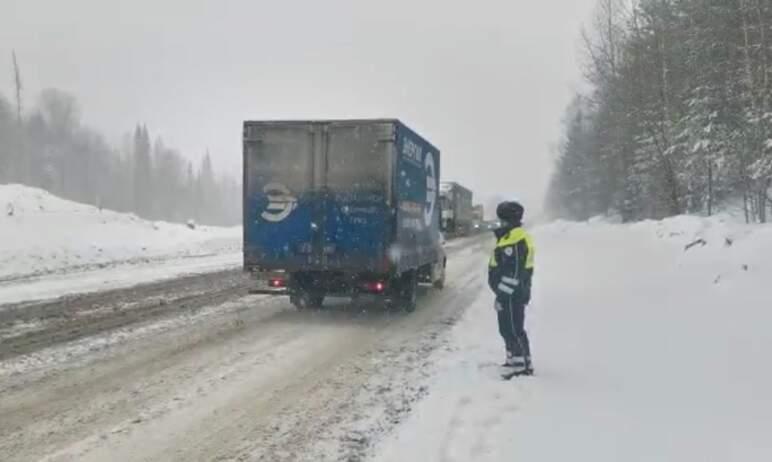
(358, 187)
(279, 204)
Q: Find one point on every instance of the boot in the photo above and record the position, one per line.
(517, 364)
(528, 366)
(508, 359)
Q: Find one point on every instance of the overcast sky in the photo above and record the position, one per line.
(486, 81)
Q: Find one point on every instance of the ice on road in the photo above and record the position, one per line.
(644, 351)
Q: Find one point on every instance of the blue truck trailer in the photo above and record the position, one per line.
(341, 208)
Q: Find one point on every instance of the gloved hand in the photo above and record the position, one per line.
(498, 306)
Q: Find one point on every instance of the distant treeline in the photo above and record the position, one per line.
(47, 147)
(678, 115)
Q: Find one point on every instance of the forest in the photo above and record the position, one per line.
(47, 146)
(674, 115)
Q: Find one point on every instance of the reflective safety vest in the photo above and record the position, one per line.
(511, 239)
(511, 267)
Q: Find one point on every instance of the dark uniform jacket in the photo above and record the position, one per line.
(511, 266)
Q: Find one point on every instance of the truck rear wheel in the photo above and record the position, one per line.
(407, 292)
(316, 301)
(439, 283)
(306, 301)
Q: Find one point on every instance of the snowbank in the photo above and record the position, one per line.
(651, 342)
(43, 235)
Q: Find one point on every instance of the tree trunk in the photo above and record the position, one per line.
(745, 207)
(710, 189)
(763, 109)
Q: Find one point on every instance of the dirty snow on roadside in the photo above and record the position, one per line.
(650, 343)
(51, 247)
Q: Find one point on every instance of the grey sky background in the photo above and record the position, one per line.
(486, 81)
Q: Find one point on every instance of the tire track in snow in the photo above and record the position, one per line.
(221, 387)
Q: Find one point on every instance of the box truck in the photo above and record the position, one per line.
(341, 208)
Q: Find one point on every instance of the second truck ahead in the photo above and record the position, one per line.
(344, 207)
(457, 210)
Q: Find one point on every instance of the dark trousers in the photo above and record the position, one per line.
(512, 329)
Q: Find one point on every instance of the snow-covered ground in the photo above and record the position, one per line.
(650, 343)
(51, 247)
(222, 378)
(644, 351)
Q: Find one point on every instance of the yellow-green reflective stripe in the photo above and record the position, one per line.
(529, 260)
(512, 238)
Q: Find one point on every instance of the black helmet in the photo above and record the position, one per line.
(510, 212)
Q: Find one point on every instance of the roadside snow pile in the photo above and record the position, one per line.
(42, 234)
(651, 342)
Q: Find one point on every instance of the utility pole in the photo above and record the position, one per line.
(24, 167)
(18, 86)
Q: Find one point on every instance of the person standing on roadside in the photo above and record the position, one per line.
(510, 272)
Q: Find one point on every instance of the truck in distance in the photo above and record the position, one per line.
(457, 211)
(478, 214)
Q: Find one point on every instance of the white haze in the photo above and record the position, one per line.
(485, 81)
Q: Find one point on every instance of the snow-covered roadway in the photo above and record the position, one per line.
(235, 377)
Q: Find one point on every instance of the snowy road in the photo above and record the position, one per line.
(27, 327)
(112, 276)
(644, 349)
(194, 369)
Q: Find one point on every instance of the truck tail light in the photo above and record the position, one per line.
(376, 287)
(277, 283)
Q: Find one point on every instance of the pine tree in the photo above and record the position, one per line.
(50, 149)
(679, 108)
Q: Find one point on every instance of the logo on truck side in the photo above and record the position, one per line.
(431, 189)
(412, 152)
(281, 202)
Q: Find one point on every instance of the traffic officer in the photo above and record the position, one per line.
(509, 276)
